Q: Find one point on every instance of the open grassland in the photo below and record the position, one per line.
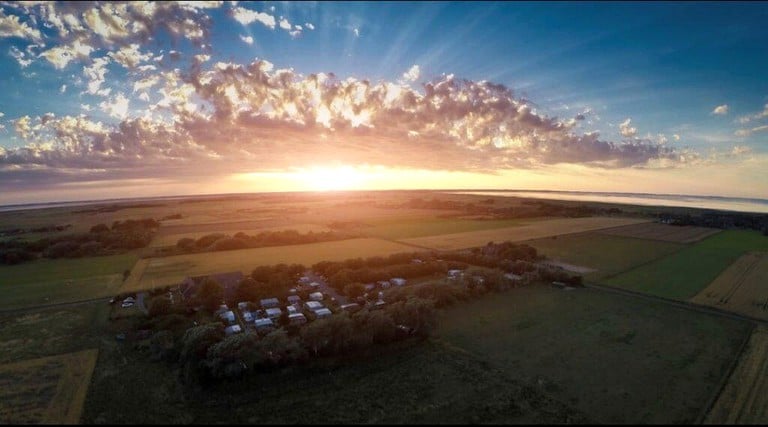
(172, 270)
(408, 228)
(51, 331)
(607, 254)
(744, 399)
(665, 232)
(50, 390)
(742, 287)
(163, 239)
(616, 358)
(61, 280)
(535, 230)
(685, 273)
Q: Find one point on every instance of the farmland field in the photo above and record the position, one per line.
(744, 399)
(171, 270)
(617, 358)
(741, 287)
(685, 273)
(408, 228)
(605, 253)
(535, 230)
(61, 280)
(48, 390)
(665, 232)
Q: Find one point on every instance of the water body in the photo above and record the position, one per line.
(707, 202)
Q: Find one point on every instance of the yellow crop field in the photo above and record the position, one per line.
(744, 399)
(172, 270)
(171, 239)
(49, 390)
(536, 230)
(665, 232)
(741, 287)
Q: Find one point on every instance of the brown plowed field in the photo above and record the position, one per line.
(744, 400)
(741, 288)
(665, 232)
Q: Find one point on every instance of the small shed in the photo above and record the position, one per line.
(297, 319)
(263, 323)
(270, 303)
(316, 296)
(242, 305)
(248, 316)
(229, 316)
(323, 313)
(274, 313)
(291, 309)
(233, 329)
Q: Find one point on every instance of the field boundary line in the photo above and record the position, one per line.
(726, 377)
(58, 304)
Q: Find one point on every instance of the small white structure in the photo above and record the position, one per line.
(129, 299)
(370, 286)
(314, 285)
(222, 308)
(233, 329)
(293, 299)
(379, 304)
(242, 306)
(291, 310)
(513, 277)
(297, 319)
(248, 316)
(313, 305)
(398, 281)
(323, 313)
(270, 303)
(384, 284)
(381, 295)
(274, 313)
(316, 296)
(263, 323)
(228, 315)
(453, 274)
(350, 307)
(304, 280)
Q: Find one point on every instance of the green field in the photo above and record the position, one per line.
(61, 280)
(607, 254)
(683, 274)
(618, 359)
(407, 228)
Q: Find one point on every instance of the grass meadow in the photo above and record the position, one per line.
(685, 273)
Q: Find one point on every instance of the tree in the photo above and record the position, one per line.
(197, 340)
(354, 290)
(100, 228)
(210, 294)
(159, 306)
(277, 348)
(185, 243)
(228, 358)
(161, 346)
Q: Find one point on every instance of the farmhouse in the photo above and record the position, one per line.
(313, 305)
(270, 303)
(229, 282)
(316, 296)
(323, 313)
(229, 330)
(297, 319)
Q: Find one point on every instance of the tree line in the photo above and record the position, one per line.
(225, 242)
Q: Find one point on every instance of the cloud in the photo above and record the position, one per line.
(356, 32)
(740, 150)
(60, 56)
(20, 57)
(247, 17)
(757, 116)
(116, 107)
(284, 24)
(130, 56)
(626, 129)
(95, 74)
(11, 26)
(412, 74)
(720, 110)
(749, 132)
(676, 137)
(309, 25)
(247, 40)
(63, 89)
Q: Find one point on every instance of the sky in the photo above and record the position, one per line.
(132, 99)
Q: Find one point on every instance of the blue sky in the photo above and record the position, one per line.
(671, 91)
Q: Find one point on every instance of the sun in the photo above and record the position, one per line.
(338, 178)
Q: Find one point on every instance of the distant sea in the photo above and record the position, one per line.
(707, 202)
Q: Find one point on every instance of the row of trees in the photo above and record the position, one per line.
(225, 242)
(100, 240)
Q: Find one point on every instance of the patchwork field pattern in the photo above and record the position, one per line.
(744, 399)
(163, 271)
(742, 287)
(171, 239)
(686, 272)
(665, 232)
(535, 230)
(48, 390)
